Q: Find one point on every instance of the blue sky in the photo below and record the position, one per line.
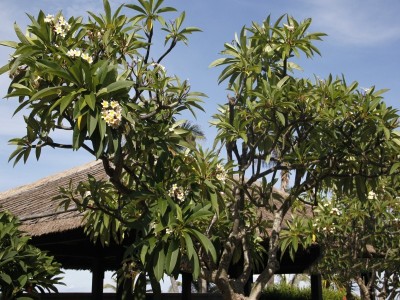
(363, 43)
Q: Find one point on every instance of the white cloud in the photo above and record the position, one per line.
(366, 22)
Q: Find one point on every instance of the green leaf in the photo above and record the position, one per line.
(196, 267)
(91, 124)
(66, 101)
(6, 278)
(51, 91)
(158, 263)
(282, 82)
(281, 118)
(116, 86)
(189, 245)
(22, 280)
(4, 69)
(20, 35)
(172, 256)
(205, 242)
(90, 100)
(143, 253)
(139, 290)
(10, 44)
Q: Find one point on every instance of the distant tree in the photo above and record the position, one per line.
(25, 270)
(360, 241)
(287, 139)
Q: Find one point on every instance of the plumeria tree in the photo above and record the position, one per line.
(288, 139)
(98, 79)
(292, 141)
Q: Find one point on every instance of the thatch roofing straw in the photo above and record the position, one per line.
(34, 206)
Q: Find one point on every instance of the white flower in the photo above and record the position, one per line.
(59, 30)
(157, 65)
(105, 104)
(74, 53)
(87, 57)
(371, 195)
(289, 27)
(111, 113)
(178, 192)
(62, 21)
(220, 173)
(114, 104)
(49, 19)
(67, 26)
(335, 211)
(62, 26)
(172, 190)
(168, 231)
(366, 90)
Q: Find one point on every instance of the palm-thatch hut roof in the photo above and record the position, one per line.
(34, 206)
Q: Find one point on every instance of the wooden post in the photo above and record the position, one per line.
(97, 279)
(187, 286)
(316, 287)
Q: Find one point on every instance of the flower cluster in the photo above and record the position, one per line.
(158, 66)
(220, 173)
(371, 195)
(329, 229)
(111, 113)
(78, 53)
(335, 211)
(289, 27)
(178, 192)
(61, 26)
(74, 53)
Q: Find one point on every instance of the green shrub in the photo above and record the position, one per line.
(23, 267)
(288, 292)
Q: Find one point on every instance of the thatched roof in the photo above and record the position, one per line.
(33, 204)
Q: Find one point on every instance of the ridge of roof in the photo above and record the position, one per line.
(48, 179)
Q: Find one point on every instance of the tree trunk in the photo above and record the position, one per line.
(202, 286)
(364, 291)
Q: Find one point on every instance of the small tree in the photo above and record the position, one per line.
(24, 269)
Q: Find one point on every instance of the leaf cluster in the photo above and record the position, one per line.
(23, 268)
